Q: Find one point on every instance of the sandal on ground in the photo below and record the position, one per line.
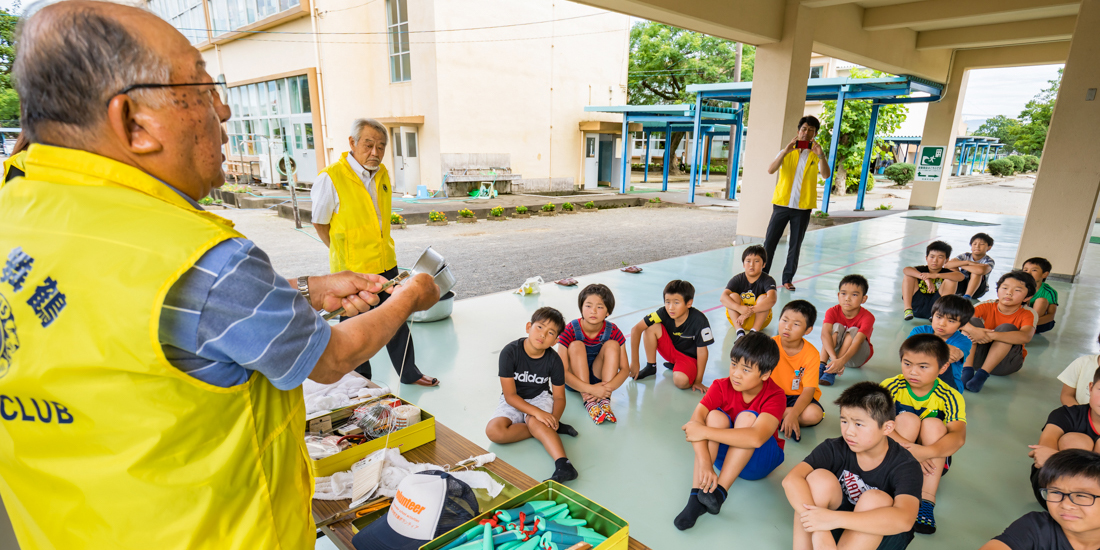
(632, 269)
(427, 381)
(789, 286)
(567, 282)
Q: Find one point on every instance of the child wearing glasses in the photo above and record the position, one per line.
(1069, 484)
(1067, 428)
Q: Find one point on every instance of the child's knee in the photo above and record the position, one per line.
(495, 429)
(873, 500)
(718, 419)
(1075, 441)
(1006, 327)
(811, 416)
(822, 483)
(745, 420)
(931, 430)
(681, 380)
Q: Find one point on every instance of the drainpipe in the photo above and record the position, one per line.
(320, 82)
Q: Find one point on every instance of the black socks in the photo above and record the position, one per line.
(563, 471)
(649, 370)
(566, 429)
(691, 513)
(713, 500)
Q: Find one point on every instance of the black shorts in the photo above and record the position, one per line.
(922, 304)
(982, 288)
(899, 541)
(792, 398)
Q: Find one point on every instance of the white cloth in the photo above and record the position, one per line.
(325, 200)
(544, 401)
(1079, 375)
(796, 188)
(327, 397)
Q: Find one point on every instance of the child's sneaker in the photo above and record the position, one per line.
(605, 406)
(595, 412)
(926, 521)
(826, 378)
(909, 314)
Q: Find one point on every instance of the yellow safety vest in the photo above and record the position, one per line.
(16, 161)
(807, 199)
(356, 242)
(103, 443)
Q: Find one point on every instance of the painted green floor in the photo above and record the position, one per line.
(641, 467)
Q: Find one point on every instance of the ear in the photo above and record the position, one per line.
(887, 427)
(130, 124)
(528, 329)
(689, 302)
(864, 300)
(944, 368)
(765, 377)
(809, 330)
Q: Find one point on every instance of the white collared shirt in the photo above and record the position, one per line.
(326, 201)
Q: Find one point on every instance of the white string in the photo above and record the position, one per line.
(400, 375)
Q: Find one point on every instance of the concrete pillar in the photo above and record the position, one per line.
(940, 126)
(1063, 205)
(778, 101)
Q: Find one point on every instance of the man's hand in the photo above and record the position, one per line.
(791, 146)
(545, 418)
(1040, 454)
(816, 519)
(790, 425)
(355, 292)
(956, 354)
(693, 431)
(421, 288)
(817, 150)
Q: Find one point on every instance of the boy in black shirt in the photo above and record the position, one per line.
(528, 374)
(1070, 482)
(680, 333)
(750, 293)
(922, 285)
(1068, 428)
(861, 490)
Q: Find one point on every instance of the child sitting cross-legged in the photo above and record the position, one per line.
(532, 380)
(931, 416)
(1077, 378)
(593, 351)
(999, 329)
(975, 267)
(797, 370)
(949, 314)
(1045, 300)
(735, 428)
(749, 296)
(922, 285)
(1070, 485)
(1068, 428)
(680, 333)
(861, 490)
(846, 333)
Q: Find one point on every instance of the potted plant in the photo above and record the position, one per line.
(548, 210)
(590, 207)
(568, 208)
(397, 221)
(820, 217)
(209, 201)
(496, 214)
(655, 202)
(521, 212)
(466, 216)
(229, 192)
(437, 218)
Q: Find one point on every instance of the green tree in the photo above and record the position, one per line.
(664, 60)
(853, 131)
(9, 100)
(1035, 119)
(1005, 129)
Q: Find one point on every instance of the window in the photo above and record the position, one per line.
(817, 71)
(276, 111)
(228, 15)
(185, 15)
(397, 18)
(410, 144)
(590, 147)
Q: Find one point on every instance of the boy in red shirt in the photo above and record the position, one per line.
(735, 428)
(1000, 350)
(846, 333)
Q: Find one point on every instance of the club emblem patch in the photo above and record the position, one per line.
(9, 342)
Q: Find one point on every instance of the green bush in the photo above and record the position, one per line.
(589, 204)
(497, 211)
(1000, 167)
(548, 207)
(851, 185)
(1031, 163)
(521, 209)
(567, 206)
(900, 173)
(1018, 162)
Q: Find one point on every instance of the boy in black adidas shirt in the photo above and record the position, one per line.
(680, 333)
(532, 400)
(861, 490)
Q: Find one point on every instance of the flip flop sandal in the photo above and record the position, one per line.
(427, 381)
(595, 412)
(632, 269)
(567, 282)
(605, 405)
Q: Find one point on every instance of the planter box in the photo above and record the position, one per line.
(404, 439)
(547, 214)
(654, 204)
(590, 210)
(521, 216)
(399, 226)
(497, 218)
(466, 220)
(437, 224)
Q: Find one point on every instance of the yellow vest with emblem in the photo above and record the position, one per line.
(356, 242)
(785, 183)
(103, 443)
(14, 161)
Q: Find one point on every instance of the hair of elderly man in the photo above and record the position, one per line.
(360, 123)
(72, 58)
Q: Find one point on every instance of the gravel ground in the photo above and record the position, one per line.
(489, 257)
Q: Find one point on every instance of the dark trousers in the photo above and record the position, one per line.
(799, 220)
(396, 346)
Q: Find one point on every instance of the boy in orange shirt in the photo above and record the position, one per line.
(797, 371)
(1000, 329)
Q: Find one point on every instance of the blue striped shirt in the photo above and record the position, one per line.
(231, 314)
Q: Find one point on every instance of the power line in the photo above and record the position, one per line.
(224, 31)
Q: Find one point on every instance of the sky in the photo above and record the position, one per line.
(992, 92)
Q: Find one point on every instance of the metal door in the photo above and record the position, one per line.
(591, 162)
(406, 159)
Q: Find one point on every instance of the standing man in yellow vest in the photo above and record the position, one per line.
(351, 212)
(150, 357)
(799, 164)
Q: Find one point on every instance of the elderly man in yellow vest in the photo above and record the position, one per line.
(351, 212)
(798, 164)
(150, 357)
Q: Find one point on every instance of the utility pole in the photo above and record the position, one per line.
(731, 170)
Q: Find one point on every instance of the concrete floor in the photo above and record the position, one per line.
(641, 467)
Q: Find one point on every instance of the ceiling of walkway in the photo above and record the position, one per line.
(899, 36)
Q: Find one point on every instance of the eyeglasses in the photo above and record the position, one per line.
(1080, 499)
(219, 85)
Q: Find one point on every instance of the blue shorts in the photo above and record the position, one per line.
(1045, 327)
(765, 458)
